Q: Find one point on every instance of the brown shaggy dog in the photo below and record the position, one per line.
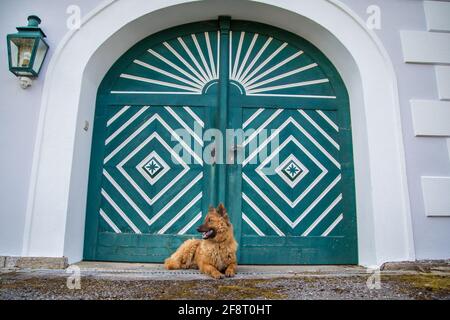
(215, 255)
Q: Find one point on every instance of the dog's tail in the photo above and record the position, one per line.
(184, 257)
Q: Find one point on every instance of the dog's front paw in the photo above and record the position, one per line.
(170, 264)
(230, 273)
(218, 275)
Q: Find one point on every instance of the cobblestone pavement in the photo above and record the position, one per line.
(338, 283)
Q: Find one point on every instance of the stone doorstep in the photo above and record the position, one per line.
(158, 270)
(33, 263)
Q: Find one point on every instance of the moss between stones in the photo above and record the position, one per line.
(241, 289)
(247, 292)
(183, 290)
(438, 284)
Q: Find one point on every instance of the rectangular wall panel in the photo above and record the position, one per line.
(436, 194)
(443, 81)
(431, 118)
(425, 47)
(438, 15)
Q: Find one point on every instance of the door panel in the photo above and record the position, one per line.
(297, 197)
(151, 197)
(292, 188)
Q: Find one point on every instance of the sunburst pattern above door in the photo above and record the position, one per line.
(259, 65)
(184, 65)
(266, 66)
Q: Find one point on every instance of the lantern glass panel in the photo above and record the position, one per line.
(21, 52)
(40, 55)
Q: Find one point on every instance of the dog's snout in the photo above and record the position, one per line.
(202, 228)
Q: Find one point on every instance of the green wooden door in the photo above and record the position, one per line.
(287, 181)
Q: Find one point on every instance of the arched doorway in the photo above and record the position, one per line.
(223, 74)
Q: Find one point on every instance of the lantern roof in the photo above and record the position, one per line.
(32, 27)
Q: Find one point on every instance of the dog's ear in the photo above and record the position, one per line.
(222, 211)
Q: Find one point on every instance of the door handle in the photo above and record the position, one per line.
(235, 148)
(213, 155)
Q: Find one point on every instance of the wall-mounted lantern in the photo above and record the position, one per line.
(26, 51)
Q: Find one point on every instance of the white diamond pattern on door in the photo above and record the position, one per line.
(147, 187)
(301, 194)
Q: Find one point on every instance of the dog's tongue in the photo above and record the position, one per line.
(206, 234)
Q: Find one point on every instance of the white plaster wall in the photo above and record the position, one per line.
(18, 119)
(19, 111)
(424, 156)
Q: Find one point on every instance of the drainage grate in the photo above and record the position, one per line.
(179, 272)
